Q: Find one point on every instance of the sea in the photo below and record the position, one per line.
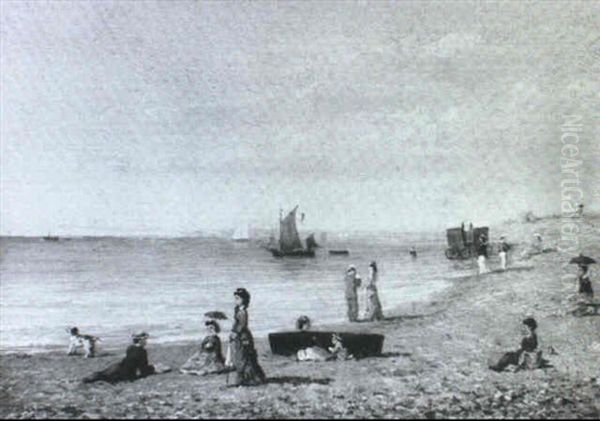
(112, 286)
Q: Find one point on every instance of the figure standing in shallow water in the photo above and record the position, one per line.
(373, 311)
(209, 358)
(247, 370)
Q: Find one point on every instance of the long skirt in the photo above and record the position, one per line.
(502, 255)
(247, 370)
(482, 265)
(373, 310)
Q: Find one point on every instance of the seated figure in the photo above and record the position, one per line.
(528, 356)
(133, 366)
(79, 340)
(337, 348)
(209, 358)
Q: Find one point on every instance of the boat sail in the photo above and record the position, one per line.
(289, 240)
(241, 234)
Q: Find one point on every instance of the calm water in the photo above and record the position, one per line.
(115, 286)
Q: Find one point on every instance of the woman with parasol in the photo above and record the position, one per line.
(209, 358)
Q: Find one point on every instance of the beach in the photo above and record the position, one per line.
(434, 363)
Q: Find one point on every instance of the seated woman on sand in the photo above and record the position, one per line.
(527, 356)
(209, 358)
(133, 366)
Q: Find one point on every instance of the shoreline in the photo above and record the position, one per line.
(434, 364)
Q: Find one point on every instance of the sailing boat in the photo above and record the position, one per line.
(289, 241)
(241, 234)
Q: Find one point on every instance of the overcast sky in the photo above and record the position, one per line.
(169, 118)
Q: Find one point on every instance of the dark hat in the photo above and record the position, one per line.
(141, 335)
(530, 321)
(74, 331)
(214, 324)
(243, 294)
(303, 322)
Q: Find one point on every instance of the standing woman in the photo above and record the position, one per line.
(373, 311)
(247, 370)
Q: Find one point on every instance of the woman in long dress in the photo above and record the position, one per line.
(209, 358)
(247, 370)
(134, 366)
(373, 305)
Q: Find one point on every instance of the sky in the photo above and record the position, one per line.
(175, 118)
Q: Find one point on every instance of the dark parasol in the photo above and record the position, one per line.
(582, 260)
(217, 315)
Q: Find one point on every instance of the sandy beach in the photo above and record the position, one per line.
(434, 365)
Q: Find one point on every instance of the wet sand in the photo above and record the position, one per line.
(434, 362)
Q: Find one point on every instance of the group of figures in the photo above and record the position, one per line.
(241, 358)
(482, 253)
(372, 305)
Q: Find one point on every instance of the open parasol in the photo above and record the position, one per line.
(217, 315)
(582, 260)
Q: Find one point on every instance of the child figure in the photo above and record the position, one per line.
(337, 348)
(87, 342)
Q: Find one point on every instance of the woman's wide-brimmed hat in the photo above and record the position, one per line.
(351, 268)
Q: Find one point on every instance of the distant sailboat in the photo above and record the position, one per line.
(241, 234)
(289, 241)
(51, 237)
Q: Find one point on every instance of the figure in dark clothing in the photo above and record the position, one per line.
(351, 283)
(413, 252)
(584, 284)
(209, 358)
(247, 370)
(482, 254)
(527, 356)
(133, 366)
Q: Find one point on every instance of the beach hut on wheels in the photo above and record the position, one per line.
(463, 241)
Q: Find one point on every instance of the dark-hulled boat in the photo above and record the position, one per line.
(360, 345)
(289, 240)
(339, 252)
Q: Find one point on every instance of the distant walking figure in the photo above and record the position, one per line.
(352, 283)
(245, 360)
(504, 247)
(482, 254)
(373, 310)
(413, 252)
